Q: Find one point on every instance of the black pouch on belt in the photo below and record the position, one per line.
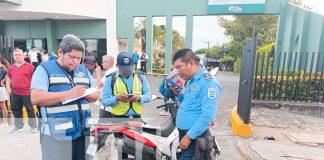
(207, 148)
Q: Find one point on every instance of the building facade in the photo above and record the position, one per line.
(107, 26)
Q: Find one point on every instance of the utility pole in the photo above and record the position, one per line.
(207, 45)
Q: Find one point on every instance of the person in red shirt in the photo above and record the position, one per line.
(18, 86)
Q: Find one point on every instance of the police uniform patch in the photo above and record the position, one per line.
(80, 75)
(212, 92)
(126, 60)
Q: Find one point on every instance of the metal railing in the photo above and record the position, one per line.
(289, 76)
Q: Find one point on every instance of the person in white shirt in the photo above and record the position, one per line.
(45, 56)
(143, 60)
(107, 64)
(33, 56)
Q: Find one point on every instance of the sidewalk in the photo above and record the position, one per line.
(280, 135)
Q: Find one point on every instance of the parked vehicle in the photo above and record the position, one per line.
(141, 140)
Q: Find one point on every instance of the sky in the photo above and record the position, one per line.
(317, 4)
(205, 30)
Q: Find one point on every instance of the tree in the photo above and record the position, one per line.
(177, 41)
(243, 27)
(229, 62)
(140, 32)
(159, 37)
(201, 51)
(213, 52)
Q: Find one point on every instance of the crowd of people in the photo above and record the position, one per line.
(49, 82)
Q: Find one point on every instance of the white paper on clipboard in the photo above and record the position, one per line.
(87, 92)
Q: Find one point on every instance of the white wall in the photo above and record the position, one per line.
(89, 8)
(67, 9)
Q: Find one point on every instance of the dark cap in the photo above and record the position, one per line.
(125, 61)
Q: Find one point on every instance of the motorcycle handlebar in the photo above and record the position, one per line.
(160, 106)
(166, 104)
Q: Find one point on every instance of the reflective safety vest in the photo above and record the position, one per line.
(120, 87)
(66, 121)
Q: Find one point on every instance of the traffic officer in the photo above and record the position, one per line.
(126, 90)
(64, 126)
(198, 104)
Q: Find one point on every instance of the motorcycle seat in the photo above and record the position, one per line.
(164, 130)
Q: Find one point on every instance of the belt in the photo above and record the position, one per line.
(204, 134)
(108, 109)
(182, 132)
(68, 108)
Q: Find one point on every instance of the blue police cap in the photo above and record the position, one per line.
(125, 61)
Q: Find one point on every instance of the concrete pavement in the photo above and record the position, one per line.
(289, 130)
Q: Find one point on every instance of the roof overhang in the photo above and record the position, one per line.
(18, 2)
(27, 15)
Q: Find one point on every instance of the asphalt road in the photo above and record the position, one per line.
(25, 145)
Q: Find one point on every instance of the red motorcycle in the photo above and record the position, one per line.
(141, 140)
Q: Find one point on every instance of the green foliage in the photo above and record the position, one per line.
(238, 65)
(140, 32)
(266, 48)
(286, 88)
(158, 70)
(234, 49)
(213, 52)
(228, 59)
(243, 27)
(177, 41)
(159, 38)
(202, 51)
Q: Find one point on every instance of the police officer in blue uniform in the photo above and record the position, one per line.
(198, 103)
(64, 125)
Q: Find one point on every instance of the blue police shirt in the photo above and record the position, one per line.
(108, 100)
(198, 104)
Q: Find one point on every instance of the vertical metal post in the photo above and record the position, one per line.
(298, 78)
(310, 76)
(266, 78)
(293, 78)
(282, 76)
(288, 75)
(302, 97)
(320, 82)
(246, 80)
(315, 80)
(277, 76)
(271, 77)
(261, 76)
(256, 77)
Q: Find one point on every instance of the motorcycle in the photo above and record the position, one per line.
(141, 140)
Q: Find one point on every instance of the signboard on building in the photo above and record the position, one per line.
(236, 6)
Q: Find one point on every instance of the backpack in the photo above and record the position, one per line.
(113, 78)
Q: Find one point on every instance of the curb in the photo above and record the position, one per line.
(238, 126)
(242, 150)
(312, 109)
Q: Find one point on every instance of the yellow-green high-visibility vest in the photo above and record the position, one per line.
(123, 107)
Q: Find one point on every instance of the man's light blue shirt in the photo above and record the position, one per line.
(198, 104)
(109, 100)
